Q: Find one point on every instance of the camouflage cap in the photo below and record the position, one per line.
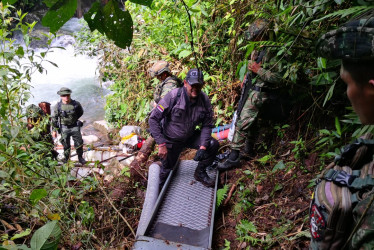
(158, 68)
(256, 28)
(353, 40)
(33, 111)
(64, 91)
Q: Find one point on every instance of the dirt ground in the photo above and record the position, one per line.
(272, 206)
(279, 203)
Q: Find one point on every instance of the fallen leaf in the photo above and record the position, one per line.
(54, 216)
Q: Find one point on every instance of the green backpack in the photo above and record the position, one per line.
(342, 210)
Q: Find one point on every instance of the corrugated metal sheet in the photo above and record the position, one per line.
(185, 214)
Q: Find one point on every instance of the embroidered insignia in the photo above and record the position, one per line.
(160, 108)
(317, 223)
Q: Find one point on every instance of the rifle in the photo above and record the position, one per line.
(247, 85)
(59, 130)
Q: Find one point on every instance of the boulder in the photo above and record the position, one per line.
(102, 126)
(90, 139)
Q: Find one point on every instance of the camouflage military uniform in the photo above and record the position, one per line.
(254, 93)
(165, 87)
(38, 127)
(67, 120)
(168, 82)
(353, 42)
(264, 81)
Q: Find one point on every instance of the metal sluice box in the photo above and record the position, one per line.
(183, 215)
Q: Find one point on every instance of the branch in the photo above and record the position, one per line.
(111, 203)
(189, 19)
(13, 157)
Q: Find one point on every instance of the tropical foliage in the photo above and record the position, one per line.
(38, 190)
(41, 204)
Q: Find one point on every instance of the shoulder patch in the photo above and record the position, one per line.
(160, 108)
(317, 223)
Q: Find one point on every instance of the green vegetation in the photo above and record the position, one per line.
(42, 205)
(47, 199)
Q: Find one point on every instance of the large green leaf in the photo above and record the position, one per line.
(118, 24)
(115, 23)
(9, 1)
(14, 131)
(50, 3)
(143, 2)
(94, 18)
(59, 14)
(37, 195)
(46, 237)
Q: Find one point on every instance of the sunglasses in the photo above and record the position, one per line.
(64, 95)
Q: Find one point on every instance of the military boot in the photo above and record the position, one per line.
(81, 160)
(201, 176)
(232, 162)
(248, 150)
(80, 156)
(66, 156)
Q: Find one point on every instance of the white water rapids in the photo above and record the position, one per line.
(79, 73)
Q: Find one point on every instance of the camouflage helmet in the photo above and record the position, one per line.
(33, 111)
(158, 68)
(353, 40)
(257, 28)
(64, 91)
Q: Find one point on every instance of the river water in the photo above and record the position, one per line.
(79, 73)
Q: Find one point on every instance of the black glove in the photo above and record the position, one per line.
(200, 155)
(79, 123)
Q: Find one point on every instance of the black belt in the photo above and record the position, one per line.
(69, 126)
(260, 89)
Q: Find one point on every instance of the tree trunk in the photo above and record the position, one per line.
(79, 9)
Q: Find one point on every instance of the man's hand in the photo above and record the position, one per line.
(162, 151)
(200, 155)
(253, 66)
(54, 134)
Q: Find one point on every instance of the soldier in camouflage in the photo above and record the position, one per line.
(168, 82)
(34, 116)
(39, 125)
(353, 43)
(260, 81)
(65, 120)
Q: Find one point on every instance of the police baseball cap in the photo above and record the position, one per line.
(64, 91)
(195, 76)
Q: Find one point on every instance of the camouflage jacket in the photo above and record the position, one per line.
(363, 238)
(165, 87)
(267, 75)
(69, 114)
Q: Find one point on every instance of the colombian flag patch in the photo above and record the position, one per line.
(160, 108)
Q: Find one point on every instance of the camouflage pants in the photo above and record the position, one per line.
(247, 118)
(66, 134)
